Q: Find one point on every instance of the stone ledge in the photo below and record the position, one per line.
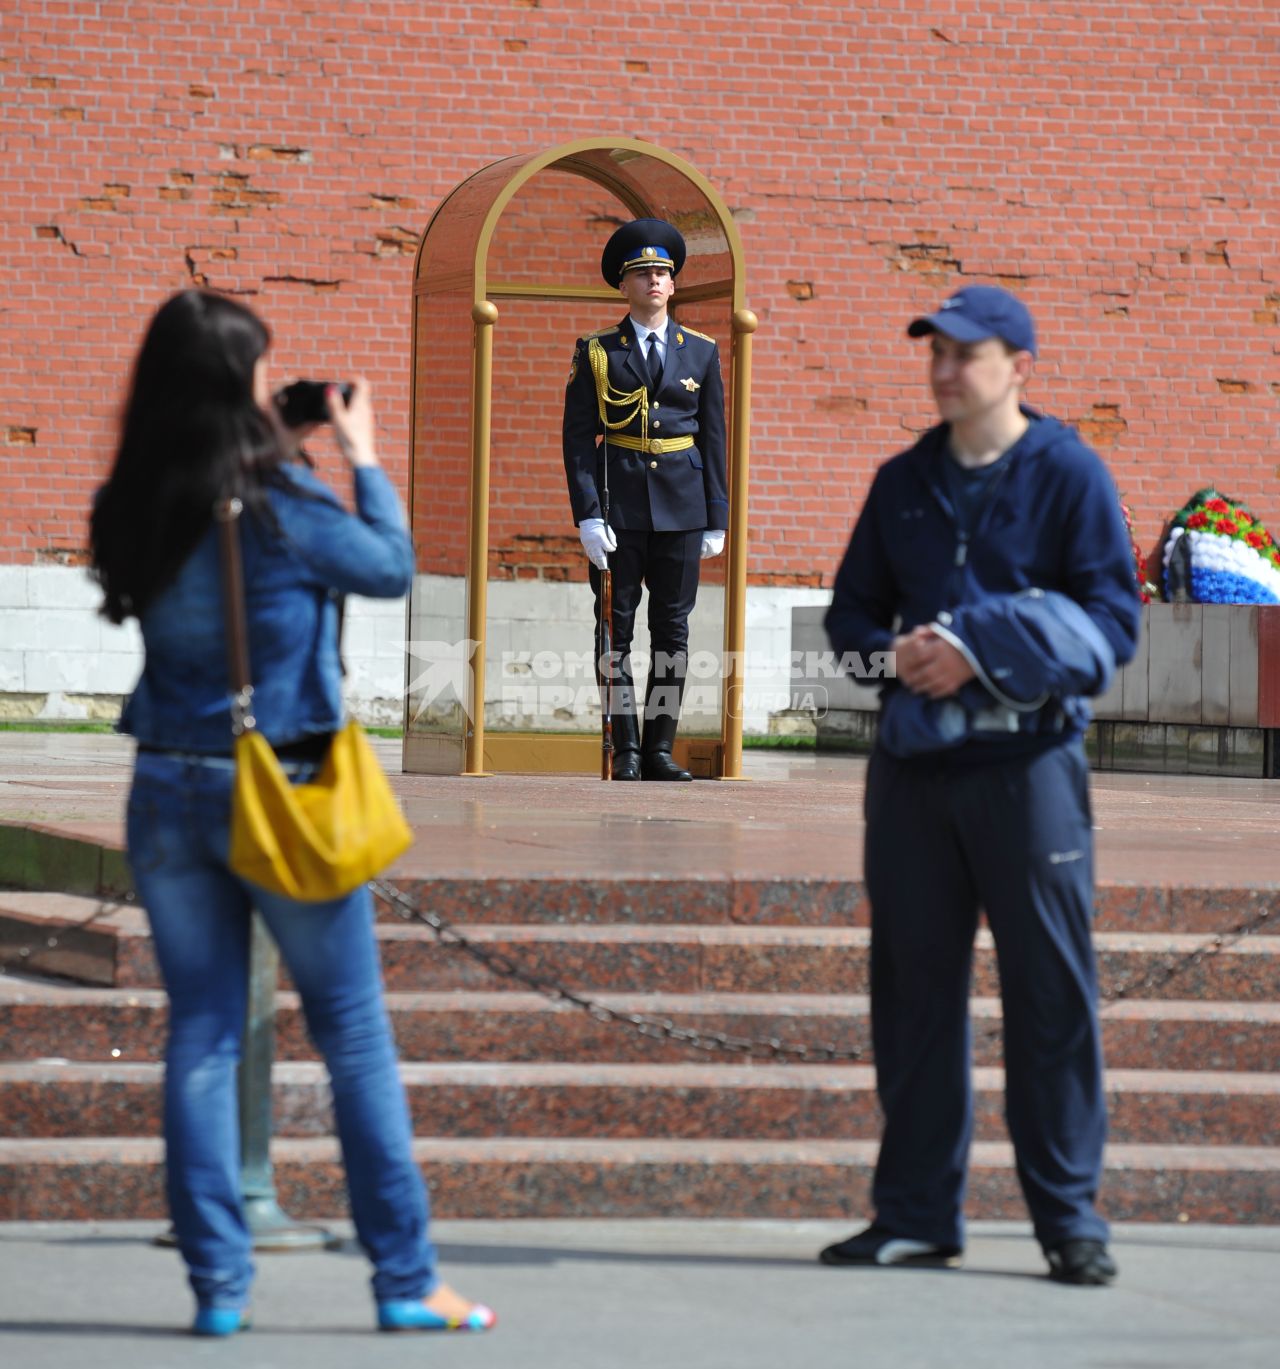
(43, 1019)
(1200, 697)
(711, 1099)
(106, 1178)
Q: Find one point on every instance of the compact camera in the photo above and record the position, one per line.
(303, 401)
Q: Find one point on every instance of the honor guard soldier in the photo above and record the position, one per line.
(644, 454)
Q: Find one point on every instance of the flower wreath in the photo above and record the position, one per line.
(1145, 588)
(1217, 552)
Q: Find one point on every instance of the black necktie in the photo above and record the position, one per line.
(655, 362)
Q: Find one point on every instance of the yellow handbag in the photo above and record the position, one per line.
(316, 840)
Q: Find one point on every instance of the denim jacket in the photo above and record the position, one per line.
(295, 577)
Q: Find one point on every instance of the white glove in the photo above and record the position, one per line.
(597, 541)
(712, 544)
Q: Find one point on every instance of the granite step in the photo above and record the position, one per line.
(54, 1018)
(49, 1098)
(763, 959)
(97, 867)
(114, 1178)
(785, 902)
(108, 944)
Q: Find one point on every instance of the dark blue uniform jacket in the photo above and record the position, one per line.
(650, 491)
(1050, 521)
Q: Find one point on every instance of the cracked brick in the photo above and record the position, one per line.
(1104, 425)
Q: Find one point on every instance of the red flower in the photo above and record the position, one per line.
(1217, 505)
(1254, 539)
(1227, 526)
(1197, 520)
(1242, 516)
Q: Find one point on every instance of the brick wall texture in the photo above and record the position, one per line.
(1115, 163)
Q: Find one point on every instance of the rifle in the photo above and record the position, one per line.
(604, 656)
(606, 398)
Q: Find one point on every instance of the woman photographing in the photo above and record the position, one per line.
(200, 427)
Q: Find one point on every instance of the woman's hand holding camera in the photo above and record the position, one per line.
(353, 423)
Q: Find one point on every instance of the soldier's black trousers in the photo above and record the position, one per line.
(667, 564)
(1014, 839)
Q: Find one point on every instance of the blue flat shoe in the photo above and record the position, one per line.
(220, 1321)
(400, 1315)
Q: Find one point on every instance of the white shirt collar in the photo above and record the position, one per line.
(642, 331)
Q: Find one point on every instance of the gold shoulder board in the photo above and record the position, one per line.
(601, 332)
(693, 332)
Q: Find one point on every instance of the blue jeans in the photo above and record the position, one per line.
(178, 834)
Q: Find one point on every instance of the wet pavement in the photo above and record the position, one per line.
(794, 815)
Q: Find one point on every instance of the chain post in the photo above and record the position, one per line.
(270, 1226)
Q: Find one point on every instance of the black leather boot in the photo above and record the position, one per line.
(626, 746)
(661, 718)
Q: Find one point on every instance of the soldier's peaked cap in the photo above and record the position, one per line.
(642, 242)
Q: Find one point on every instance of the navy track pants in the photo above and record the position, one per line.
(1015, 840)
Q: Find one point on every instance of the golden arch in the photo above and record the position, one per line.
(454, 320)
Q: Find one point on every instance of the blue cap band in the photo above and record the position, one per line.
(649, 256)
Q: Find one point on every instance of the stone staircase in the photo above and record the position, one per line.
(527, 1107)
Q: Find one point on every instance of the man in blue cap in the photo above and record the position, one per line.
(991, 558)
(644, 440)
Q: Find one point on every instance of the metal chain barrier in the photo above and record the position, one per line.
(656, 1028)
(1219, 941)
(768, 1048)
(1160, 975)
(663, 1028)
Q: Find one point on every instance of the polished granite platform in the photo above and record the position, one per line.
(723, 907)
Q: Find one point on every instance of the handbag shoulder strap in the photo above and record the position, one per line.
(226, 514)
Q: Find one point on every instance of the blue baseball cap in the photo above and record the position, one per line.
(978, 312)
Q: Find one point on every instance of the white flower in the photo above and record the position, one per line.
(1226, 555)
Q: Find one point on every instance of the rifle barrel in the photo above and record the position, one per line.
(606, 664)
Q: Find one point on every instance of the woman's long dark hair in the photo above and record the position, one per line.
(191, 433)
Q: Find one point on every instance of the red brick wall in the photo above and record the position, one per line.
(1113, 162)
